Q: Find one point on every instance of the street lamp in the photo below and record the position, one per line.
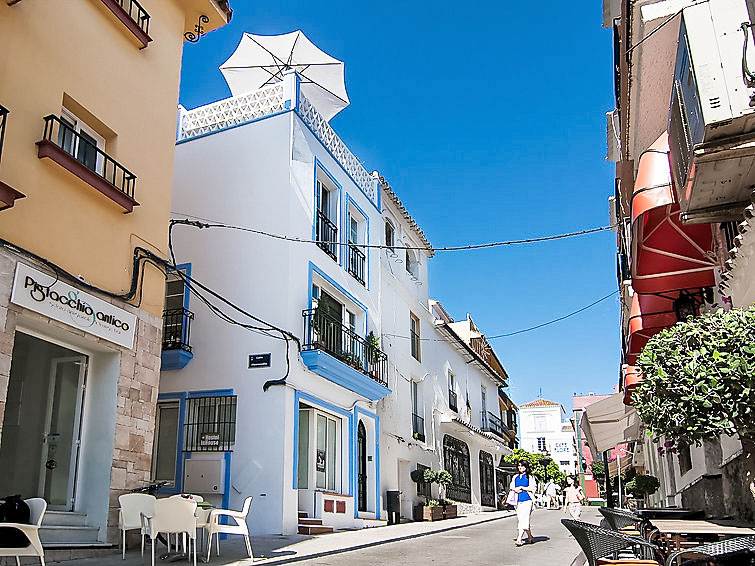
(618, 468)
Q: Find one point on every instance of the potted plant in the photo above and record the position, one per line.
(373, 354)
(422, 511)
(643, 486)
(443, 478)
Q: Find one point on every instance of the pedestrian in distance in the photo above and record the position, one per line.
(551, 494)
(524, 486)
(575, 498)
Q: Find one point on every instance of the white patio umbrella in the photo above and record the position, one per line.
(260, 60)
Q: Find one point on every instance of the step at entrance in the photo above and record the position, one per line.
(312, 526)
(67, 528)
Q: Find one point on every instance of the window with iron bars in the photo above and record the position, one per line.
(210, 424)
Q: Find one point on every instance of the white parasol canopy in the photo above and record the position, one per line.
(609, 422)
(261, 60)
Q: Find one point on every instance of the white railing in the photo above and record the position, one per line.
(232, 111)
(265, 102)
(335, 145)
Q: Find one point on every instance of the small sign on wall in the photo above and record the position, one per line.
(259, 361)
(209, 439)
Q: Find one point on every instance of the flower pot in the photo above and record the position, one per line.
(449, 511)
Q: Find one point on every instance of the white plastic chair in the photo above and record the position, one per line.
(37, 508)
(214, 527)
(173, 515)
(130, 514)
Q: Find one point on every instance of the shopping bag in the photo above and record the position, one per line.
(512, 498)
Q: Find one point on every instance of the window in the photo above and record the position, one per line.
(685, 458)
(456, 462)
(418, 421)
(356, 257)
(166, 442)
(210, 423)
(414, 337)
(390, 234)
(452, 397)
(80, 141)
(326, 206)
(411, 264)
(319, 450)
(541, 443)
(539, 423)
(424, 488)
(176, 318)
(326, 453)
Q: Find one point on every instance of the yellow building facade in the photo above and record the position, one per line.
(88, 96)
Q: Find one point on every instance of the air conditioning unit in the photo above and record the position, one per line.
(711, 121)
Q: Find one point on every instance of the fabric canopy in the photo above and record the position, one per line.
(632, 377)
(261, 60)
(666, 255)
(648, 315)
(609, 422)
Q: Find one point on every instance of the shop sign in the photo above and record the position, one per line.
(209, 439)
(49, 296)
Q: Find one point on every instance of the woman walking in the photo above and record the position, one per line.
(524, 486)
(574, 499)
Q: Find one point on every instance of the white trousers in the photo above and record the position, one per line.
(575, 510)
(523, 512)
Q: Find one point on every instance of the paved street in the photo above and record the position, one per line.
(480, 539)
(485, 543)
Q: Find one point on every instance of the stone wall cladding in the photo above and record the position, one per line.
(138, 381)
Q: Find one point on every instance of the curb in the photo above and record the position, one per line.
(272, 561)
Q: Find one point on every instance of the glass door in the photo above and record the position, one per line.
(325, 477)
(61, 432)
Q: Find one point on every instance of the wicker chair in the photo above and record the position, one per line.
(598, 544)
(715, 548)
(622, 521)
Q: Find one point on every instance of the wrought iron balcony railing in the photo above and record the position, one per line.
(88, 154)
(453, 400)
(418, 427)
(136, 12)
(177, 329)
(356, 262)
(3, 118)
(327, 235)
(322, 332)
(491, 423)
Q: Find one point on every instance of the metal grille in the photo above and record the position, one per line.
(88, 154)
(730, 232)
(487, 480)
(680, 142)
(327, 235)
(452, 400)
(177, 329)
(356, 262)
(491, 423)
(210, 424)
(424, 488)
(456, 462)
(418, 427)
(137, 13)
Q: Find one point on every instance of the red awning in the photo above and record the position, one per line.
(632, 378)
(648, 315)
(666, 255)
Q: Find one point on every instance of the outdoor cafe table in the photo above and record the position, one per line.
(673, 532)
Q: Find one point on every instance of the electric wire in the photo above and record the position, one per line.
(202, 225)
(667, 21)
(522, 331)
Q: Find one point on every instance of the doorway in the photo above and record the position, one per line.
(39, 451)
(362, 467)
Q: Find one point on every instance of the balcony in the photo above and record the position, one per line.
(133, 16)
(355, 262)
(176, 338)
(65, 146)
(327, 235)
(452, 400)
(337, 353)
(491, 423)
(8, 195)
(418, 427)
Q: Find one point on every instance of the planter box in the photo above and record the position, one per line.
(437, 513)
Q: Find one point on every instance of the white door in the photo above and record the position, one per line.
(61, 434)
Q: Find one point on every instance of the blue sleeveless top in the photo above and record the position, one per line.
(521, 480)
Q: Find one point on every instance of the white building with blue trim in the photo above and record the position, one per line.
(310, 388)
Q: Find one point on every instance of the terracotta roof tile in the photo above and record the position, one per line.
(540, 403)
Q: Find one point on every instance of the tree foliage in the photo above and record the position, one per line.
(699, 378)
(543, 467)
(598, 469)
(642, 485)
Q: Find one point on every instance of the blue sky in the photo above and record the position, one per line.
(489, 123)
